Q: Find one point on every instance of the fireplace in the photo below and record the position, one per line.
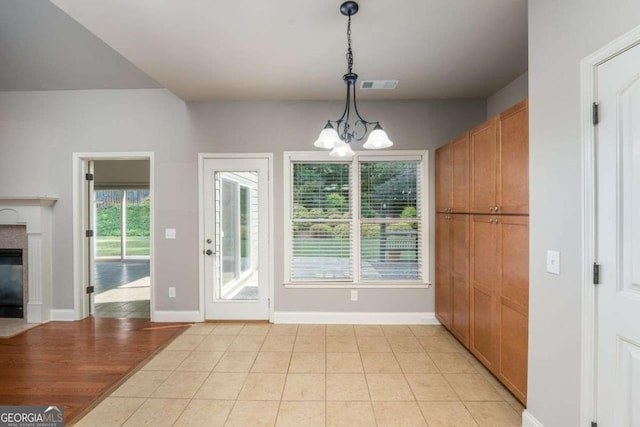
(25, 224)
(11, 283)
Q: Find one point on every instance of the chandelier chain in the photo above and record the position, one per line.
(349, 51)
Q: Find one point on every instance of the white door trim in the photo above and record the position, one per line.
(201, 226)
(588, 73)
(80, 308)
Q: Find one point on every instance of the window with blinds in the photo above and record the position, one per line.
(357, 221)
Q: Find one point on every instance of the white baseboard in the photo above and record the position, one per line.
(370, 318)
(529, 420)
(63, 315)
(177, 316)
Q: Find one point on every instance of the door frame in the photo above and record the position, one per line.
(80, 160)
(589, 94)
(201, 224)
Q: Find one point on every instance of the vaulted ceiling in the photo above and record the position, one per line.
(263, 50)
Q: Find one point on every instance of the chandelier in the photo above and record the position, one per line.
(337, 135)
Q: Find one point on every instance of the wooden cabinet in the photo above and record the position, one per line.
(500, 163)
(482, 243)
(443, 269)
(459, 232)
(452, 176)
(452, 273)
(514, 304)
(484, 283)
(513, 135)
(499, 281)
(484, 167)
(444, 178)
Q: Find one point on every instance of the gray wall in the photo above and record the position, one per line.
(560, 35)
(509, 95)
(121, 173)
(40, 130)
(278, 127)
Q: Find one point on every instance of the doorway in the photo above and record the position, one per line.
(113, 235)
(236, 217)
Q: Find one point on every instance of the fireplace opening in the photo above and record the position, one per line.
(11, 283)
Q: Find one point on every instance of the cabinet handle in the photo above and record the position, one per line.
(490, 208)
(496, 209)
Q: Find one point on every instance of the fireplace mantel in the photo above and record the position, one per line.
(28, 200)
(35, 213)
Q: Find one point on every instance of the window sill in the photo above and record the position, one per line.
(350, 285)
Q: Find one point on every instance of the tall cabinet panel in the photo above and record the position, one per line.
(459, 230)
(460, 171)
(444, 179)
(484, 167)
(443, 269)
(485, 282)
(514, 303)
(513, 133)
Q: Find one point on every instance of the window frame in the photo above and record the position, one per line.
(360, 156)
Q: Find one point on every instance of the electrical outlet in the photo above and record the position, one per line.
(169, 233)
(172, 292)
(354, 295)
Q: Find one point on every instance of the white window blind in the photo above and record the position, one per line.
(390, 220)
(359, 221)
(321, 222)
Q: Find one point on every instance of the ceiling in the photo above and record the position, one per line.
(267, 50)
(42, 48)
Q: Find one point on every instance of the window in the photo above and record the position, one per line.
(361, 221)
(122, 223)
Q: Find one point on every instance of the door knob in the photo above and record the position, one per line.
(209, 252)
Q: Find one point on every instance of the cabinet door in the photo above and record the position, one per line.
(444, 182)
(513, 131)
(485, 286)
(484, 167)
(514, 304)
(460, 174)
(443, 269)
(460, 277)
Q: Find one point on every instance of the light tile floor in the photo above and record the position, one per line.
(236, 374)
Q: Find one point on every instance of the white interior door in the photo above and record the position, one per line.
(618, 241)
(236, 238)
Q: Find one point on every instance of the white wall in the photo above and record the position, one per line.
(561, 33)
(509, 95)
(39, 131)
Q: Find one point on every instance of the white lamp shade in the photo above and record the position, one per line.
(328, 138)
(378, 139)
(341, 149)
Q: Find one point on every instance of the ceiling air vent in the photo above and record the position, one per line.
(378, 84)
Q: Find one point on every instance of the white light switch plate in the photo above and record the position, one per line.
(553, 262)
(169, 233)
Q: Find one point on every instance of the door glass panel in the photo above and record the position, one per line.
(236, 206)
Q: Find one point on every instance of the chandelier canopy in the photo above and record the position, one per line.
(337, 135)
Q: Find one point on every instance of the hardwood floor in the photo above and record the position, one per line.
(74, 363)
